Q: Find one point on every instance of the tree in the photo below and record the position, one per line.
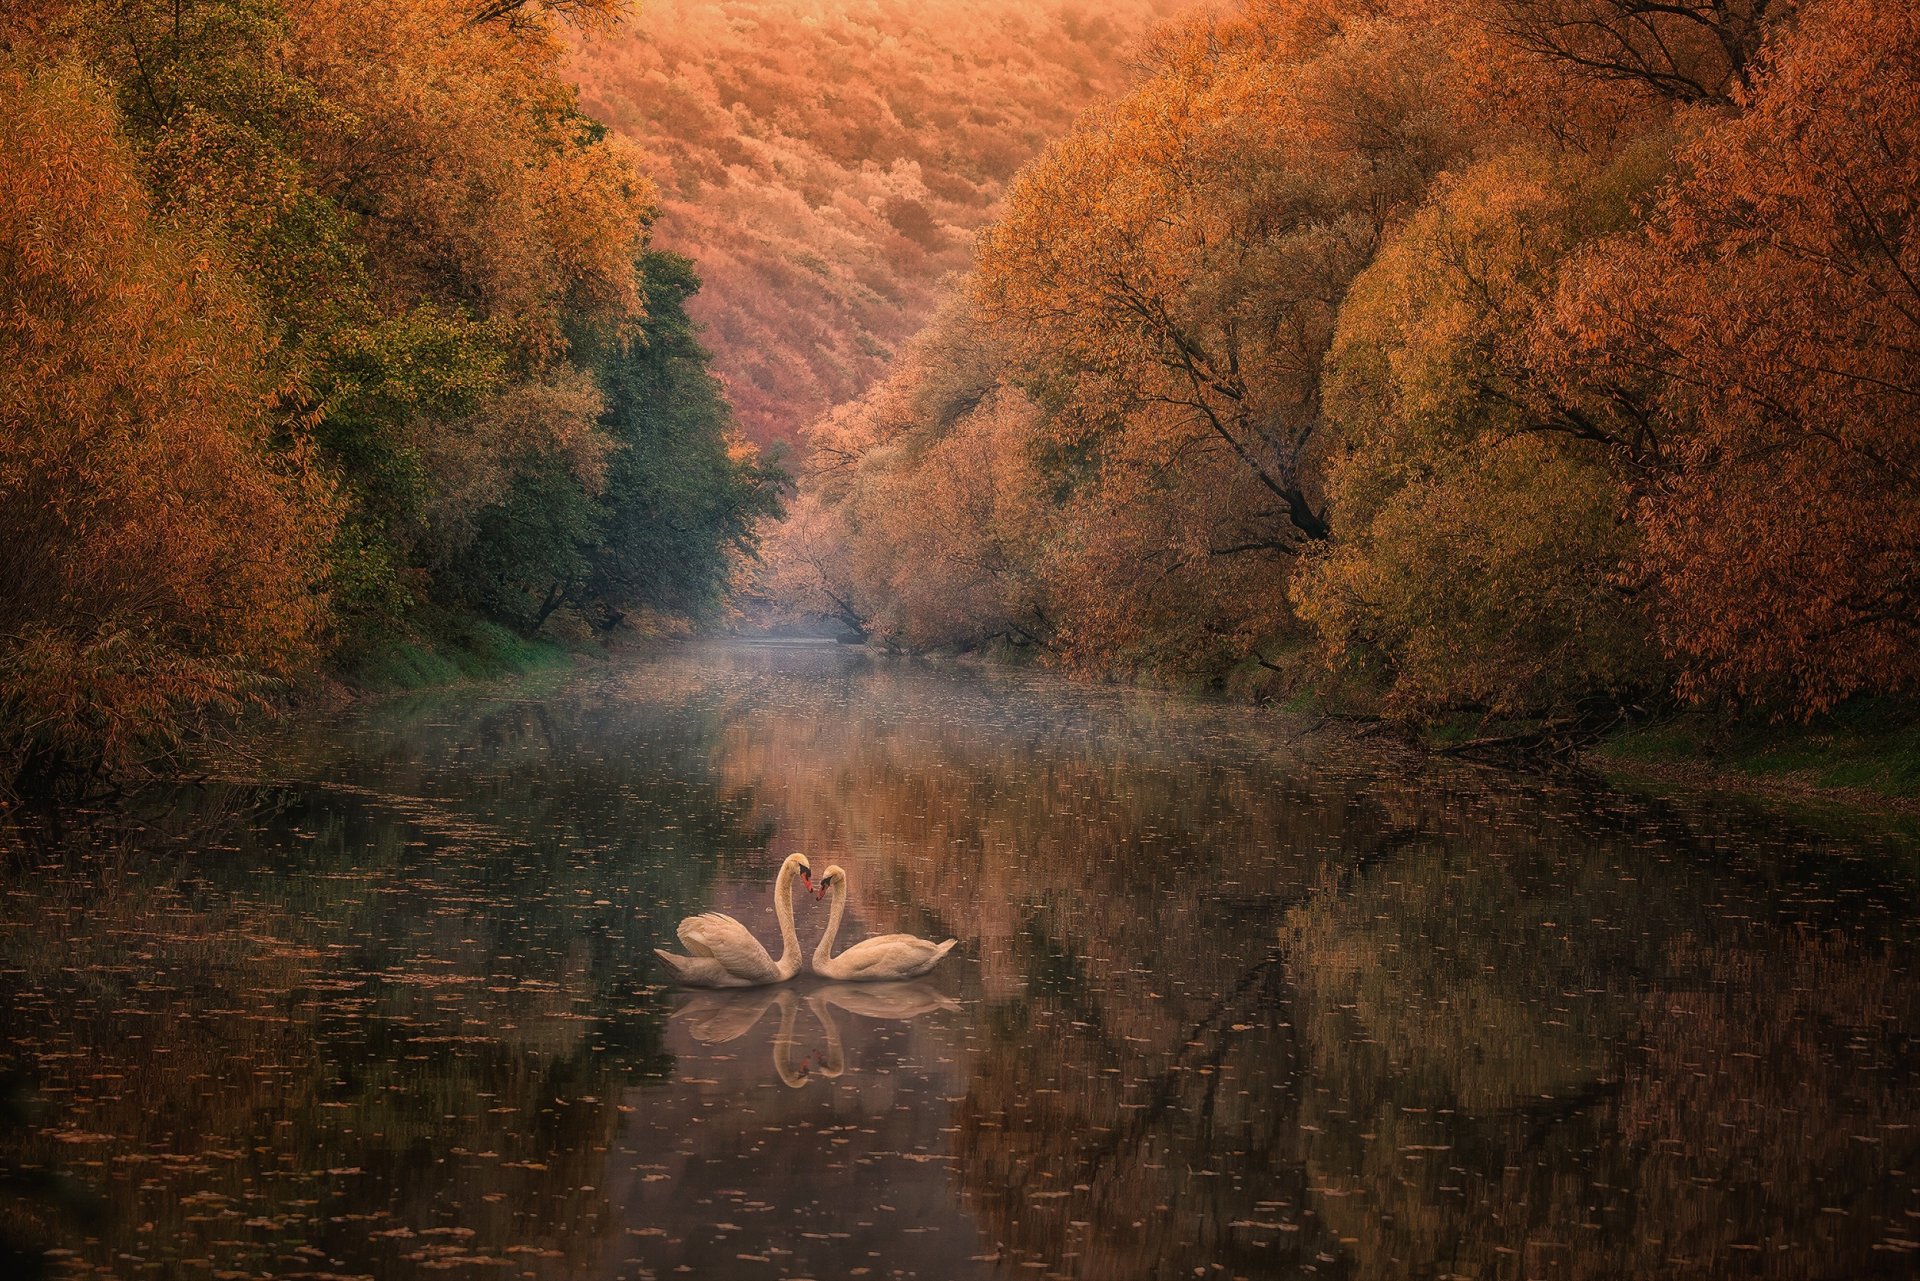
(1484, 561)
(684, 497)
(1690, 51)
(163, 559)
(1768, 315)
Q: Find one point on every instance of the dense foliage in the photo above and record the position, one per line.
(828, 161)
(318, 321)
(1499, 356)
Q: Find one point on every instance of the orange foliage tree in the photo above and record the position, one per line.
(1152, 312)
(1768, 317)
(1186, 249)
(1692, 51)
(1484, 558)
(162, 556)
(1544, 335)
(377, 290)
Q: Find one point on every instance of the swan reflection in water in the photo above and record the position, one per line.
(717, 1017)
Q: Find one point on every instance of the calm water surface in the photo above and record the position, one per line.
(1232, 999)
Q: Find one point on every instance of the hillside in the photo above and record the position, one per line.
(826, 162)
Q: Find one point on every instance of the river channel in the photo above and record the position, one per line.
(1234, 996)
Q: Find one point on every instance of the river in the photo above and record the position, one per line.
(1234, 997)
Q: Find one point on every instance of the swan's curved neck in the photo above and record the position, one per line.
(823, 951)
(789, 961)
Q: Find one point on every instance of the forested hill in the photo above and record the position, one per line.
(826, 162)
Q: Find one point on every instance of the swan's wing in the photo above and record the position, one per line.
(695, 930)
(731, 944)
(895, 956)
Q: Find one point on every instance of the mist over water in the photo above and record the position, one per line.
(1233, 997)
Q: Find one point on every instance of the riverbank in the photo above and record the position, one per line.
(466, 649)
(1864, 758)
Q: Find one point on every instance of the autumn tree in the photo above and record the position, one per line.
(1768, 316)
(163, 557)
(1172, 272)
(1690, 51)
(1484, 560)
(408, 274)
(1527, 351)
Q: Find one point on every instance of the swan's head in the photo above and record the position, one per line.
(834, 875)
(797, 865)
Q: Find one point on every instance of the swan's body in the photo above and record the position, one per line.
(889, 956)
(726, 954)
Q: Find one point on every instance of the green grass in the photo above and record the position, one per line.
(456, 650)
(1869, 746)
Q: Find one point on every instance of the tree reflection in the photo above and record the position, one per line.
(1265, 1012)
(1275, 1008)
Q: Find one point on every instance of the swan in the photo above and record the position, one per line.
(890, 956)
(726, 954)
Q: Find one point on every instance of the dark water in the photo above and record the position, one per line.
(1232, 999)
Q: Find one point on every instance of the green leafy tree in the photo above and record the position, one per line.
(683, 501)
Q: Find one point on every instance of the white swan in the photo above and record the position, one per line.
(890, 956)
(726, 954)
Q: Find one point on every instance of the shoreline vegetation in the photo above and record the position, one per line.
(1532, 378)
(1527, 374)
(1861, 759)
(332, 341)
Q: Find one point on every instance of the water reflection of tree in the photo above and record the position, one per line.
(373, 1023)
(233, 1094)
(1586, 1051)
(1122, 904)
(1482, 1027)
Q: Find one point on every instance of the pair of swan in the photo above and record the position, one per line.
(715, 1018)
(726, 954)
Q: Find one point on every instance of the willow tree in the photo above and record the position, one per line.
(1170, 274)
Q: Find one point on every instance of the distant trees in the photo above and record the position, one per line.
(1517, 357)
(827, 164)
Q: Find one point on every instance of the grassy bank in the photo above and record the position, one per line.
(451, 651)
(1865, 755)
